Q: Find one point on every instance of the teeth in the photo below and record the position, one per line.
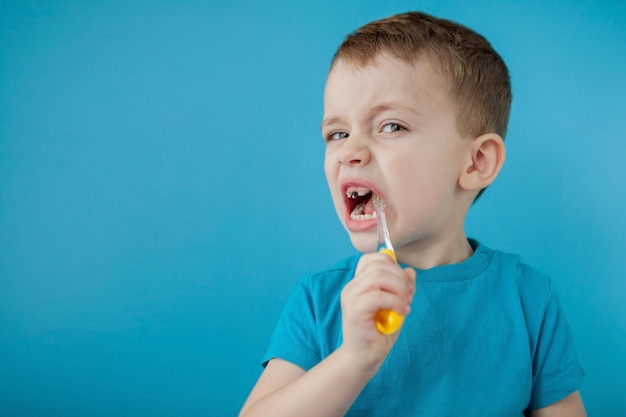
(359, 213)
(354, 192)
(363, 216)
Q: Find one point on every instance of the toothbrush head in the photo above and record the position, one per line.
(379, 203)
(384, 242)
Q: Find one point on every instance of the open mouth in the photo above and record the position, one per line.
(359, 203)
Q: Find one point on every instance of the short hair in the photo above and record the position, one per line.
(477, 78)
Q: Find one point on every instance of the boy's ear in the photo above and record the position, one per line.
(484, 163)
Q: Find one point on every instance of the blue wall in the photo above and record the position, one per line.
(161, 188)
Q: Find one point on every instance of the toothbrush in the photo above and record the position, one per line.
(387, 321)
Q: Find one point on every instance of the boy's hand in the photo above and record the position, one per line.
(378, 284)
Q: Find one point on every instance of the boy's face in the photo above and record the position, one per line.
(390, 128)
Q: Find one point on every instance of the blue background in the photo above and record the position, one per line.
(161, 188)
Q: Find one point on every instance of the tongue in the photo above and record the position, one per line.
(369, 207)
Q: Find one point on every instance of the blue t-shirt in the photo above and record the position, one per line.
(485, 337)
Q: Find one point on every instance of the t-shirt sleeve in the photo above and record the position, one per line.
(556, 370)
(293, 339)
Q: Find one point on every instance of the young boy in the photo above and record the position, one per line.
(415, 111)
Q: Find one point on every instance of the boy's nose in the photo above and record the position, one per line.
(354, 153)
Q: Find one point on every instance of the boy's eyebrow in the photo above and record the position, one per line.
(390, 106)
(373, 111)
(328, 121)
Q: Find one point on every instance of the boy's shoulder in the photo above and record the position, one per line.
(524, 273)
(534, 287)
(333, 276)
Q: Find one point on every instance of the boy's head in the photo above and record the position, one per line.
(414, 111)
(475, 76)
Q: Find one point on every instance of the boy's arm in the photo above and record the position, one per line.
(328, 389)
(331, 387)
(570, 406)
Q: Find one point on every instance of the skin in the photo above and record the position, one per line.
(388, 127)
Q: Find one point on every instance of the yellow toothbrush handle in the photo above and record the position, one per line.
(388, 321)
(389, 252)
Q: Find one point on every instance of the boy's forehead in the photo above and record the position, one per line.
(386, 72)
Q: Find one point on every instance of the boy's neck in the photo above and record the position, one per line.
(448, 251)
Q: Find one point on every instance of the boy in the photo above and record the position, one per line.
(415, 111)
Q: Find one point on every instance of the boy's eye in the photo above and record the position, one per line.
(337, 136)
(392, 127)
